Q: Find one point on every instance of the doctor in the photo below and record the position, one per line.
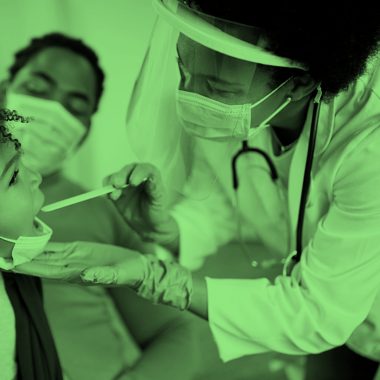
(281, 111)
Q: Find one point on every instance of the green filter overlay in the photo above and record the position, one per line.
(226, 163)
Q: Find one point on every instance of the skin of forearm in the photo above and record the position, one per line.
(169, 236)
(199, 304)
(199, 300)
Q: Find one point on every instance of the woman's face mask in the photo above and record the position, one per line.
(50, 138)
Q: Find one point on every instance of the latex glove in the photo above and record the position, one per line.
(159, 281)
(164, 281)
(143, 204)
(67, 261)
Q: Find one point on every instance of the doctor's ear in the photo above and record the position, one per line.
(302, 85)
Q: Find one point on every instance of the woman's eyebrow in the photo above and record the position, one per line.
(44, 76)
(9, 164)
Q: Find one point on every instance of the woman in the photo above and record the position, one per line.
(296, 88)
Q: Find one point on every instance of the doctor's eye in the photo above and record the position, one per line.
(184, 74)
(212, 89)
(13, 180)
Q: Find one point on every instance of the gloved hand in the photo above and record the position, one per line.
(143, 204)
(159, 281)
(67, 261)
(164, 281)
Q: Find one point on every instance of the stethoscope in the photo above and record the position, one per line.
(273, 172)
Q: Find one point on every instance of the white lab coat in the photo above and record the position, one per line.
(333, 292)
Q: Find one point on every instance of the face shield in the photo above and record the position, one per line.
(203, 88)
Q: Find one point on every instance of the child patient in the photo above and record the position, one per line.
(58, 81)
(27, 350)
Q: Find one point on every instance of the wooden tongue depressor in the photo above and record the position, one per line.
(80, 198)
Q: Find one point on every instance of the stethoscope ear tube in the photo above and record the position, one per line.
(246, 149)
(307, 177)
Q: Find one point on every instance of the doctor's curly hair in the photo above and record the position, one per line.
(335, 43)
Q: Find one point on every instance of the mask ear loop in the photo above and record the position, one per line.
(13, 241)
(279, 109)
(270, 93)
(264, 124)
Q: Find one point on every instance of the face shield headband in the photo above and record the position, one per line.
(223, 36)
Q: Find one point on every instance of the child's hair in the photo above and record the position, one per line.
(7, 115)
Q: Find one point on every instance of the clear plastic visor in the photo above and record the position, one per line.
(214, 58)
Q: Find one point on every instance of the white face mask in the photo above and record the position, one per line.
(26, 248)
(50, 138)
(209, 119)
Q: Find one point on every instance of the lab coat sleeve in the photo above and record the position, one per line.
(205, 215)
(331, 290)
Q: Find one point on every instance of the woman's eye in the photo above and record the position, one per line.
(37, 87)
(14, 178)
(79, 108)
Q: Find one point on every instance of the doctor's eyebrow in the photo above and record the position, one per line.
(211, 77)
(9, 164)
(214, 78)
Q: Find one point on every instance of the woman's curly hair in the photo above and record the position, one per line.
(7, 115)
(38, 44)
(334, 43)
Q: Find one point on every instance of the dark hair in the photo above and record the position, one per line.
(9, 116)
(77, 46)
(334, 44)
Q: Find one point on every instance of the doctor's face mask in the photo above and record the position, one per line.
(22, 235)
(214, 99)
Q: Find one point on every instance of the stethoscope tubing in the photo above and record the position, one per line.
(306, 180)
(306, 177)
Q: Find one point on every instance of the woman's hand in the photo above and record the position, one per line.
(67, 261)
(143, 204)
